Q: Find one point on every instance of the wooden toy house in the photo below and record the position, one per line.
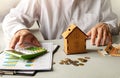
(74, 40)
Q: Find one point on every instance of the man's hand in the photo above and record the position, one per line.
(100, 34)
(23, 36)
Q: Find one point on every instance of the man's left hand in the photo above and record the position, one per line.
(100, 34)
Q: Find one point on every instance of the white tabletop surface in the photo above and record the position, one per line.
(96, 67)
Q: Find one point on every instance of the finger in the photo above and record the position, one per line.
(110, 38)
(88, 34)
(93, 35)
(13, 42)
(104, 37)
(108, 35)
(99, 36)
(21, 40)
(35, 42)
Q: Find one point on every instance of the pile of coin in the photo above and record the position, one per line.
(78, 62)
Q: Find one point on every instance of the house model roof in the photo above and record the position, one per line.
(70, 30)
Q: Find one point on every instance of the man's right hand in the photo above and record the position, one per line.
(22, 36)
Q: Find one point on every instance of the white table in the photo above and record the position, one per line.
(96, 67)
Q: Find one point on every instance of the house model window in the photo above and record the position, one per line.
(74, 40)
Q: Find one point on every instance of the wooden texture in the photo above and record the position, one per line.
(74, 40)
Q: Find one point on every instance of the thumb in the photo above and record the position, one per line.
(88, 34)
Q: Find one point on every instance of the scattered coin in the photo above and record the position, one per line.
(78, 62)
(61, 62)
(87, 57)
(81, 64)
(82, 59)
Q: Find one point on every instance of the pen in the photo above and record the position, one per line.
(56, 48)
